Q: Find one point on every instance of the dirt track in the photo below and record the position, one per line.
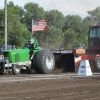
(60, 88)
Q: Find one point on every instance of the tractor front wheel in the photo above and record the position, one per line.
(16, 69)
(1, 68)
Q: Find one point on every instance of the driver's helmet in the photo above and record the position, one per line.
(31, 41)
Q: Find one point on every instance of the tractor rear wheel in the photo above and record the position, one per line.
(44, 62)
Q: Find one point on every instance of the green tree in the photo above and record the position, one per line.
(74, 22)
(95, 15)
(15, 9)
(93, 18)
(1, 27)
(79, 27)
(55, 19)
(53, 38)
(17, 33)
(32, 10)
(69, 38)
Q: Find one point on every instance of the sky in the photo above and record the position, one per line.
(72, 7)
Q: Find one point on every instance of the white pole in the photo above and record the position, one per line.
(5, 4)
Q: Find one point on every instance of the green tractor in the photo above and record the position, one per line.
(30, 57)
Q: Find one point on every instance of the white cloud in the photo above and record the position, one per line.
(77, 7)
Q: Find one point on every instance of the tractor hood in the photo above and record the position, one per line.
(17, 55)
(18, 50)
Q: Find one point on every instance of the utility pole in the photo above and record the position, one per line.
(5, 9)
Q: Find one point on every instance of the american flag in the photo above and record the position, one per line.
(39, 25)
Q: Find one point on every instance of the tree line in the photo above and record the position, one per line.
(64, 31)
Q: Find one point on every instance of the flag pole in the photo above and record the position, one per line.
(5, 4)
(32, 26)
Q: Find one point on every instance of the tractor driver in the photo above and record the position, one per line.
(31, 46)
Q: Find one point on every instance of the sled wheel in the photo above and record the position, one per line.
(44, 62)
(98, 63)
(16, 69)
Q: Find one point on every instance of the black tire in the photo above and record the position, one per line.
(44, 62)
(16, 69)
(1, 68)
(98, 63)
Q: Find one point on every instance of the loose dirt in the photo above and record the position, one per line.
(63, 88)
